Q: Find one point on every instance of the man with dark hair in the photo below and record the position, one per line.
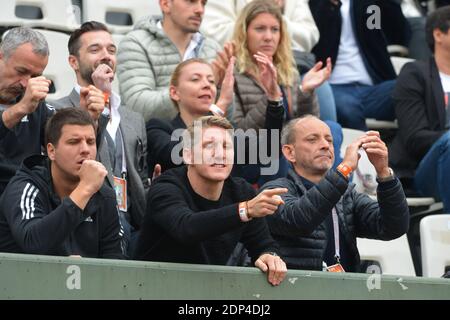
(322, 214)
(122, 148)
(149, 54)
(57, 205)
(354, 34)
(198, 213)
(23, 111)
(421, 148)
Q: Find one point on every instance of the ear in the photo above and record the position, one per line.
(187, 156)
(51, 150)
(73, 61)
(174, 93)
(164, 5)
(289, 152)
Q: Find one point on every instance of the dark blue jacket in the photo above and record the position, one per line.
(298, 225)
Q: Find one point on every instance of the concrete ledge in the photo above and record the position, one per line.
(49, 277)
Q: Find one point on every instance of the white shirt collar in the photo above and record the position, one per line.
(191, 50)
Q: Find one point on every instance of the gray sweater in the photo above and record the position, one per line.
(145, 62)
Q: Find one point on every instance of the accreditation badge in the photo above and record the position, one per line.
(120, 186)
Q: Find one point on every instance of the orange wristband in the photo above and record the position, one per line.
(106, 97)
(345, 170)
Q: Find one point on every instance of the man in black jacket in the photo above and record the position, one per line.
(353, 33)
(421, 148)
(58, 205)
(198, 213)
(322, 214)
(23, 111)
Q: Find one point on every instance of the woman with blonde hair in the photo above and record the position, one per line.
(261, 37)
(261, 41)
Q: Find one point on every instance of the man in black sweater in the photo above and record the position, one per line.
(322, 214)
(57, 205)
(198, 213)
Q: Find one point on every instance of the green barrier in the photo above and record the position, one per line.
(49, 277)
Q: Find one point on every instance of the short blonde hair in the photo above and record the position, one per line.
(283, 58)
(204, 123)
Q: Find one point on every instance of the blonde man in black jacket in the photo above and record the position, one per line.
(322, 214)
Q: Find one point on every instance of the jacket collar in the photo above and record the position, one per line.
(436, 87)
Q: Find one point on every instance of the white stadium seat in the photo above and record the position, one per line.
(58, 69)
(394, 256)
(119, 16)
(435, 244)
(49, 14)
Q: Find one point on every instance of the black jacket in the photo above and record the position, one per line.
(298, 224)
(25, 139)
(371, 42)
(33, 219)
(175, 230)
(420, 110)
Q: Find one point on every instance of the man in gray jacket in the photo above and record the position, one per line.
(323, 214)
(123, 142)
(148, 55)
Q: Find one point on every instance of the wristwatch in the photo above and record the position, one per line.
(216, 110)
(276, 103)
(390, 177)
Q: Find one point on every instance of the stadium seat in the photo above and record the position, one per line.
(119, 16)
(435, 244)
(399, 62)
(58, 69)
(393, 256)
(47, 14)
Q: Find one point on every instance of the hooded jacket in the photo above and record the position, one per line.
(33, 219)
(145, 62)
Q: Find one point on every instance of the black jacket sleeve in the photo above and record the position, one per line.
(34, 228)
(111, 235)
(410, 108)
(160, 144)
(257, 239)
(173, 215)
(300, 215)
(385, 219)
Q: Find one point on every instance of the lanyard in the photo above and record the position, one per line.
(336, 235)
(124, 161)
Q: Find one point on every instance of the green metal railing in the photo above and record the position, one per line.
(49, 277)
